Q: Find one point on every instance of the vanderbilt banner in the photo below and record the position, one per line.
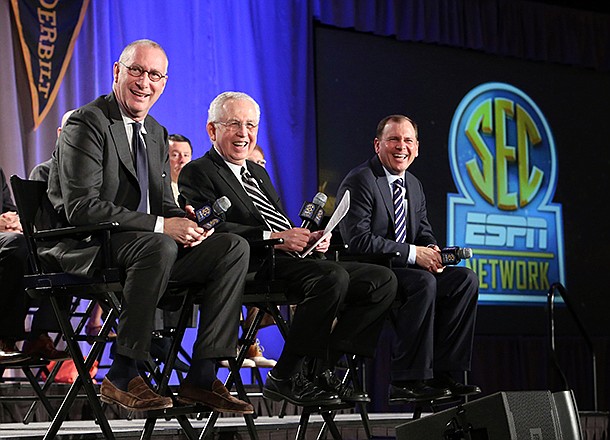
(47, 31)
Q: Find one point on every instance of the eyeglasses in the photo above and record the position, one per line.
(237, 125)
(137, 71)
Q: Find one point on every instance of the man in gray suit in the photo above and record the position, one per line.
(93, 178)
(435, 321)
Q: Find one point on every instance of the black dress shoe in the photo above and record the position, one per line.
(328, 381)
(298, 390)
(417, 391)
(444, 380)
(9, 354)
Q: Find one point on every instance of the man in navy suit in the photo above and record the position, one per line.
(357, 294)
(93, 178)
(435, 321)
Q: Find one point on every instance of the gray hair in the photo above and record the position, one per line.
(215, 110)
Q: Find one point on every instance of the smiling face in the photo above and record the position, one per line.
(179, 155)
(136, 95)
(397, 146)
(230, 133)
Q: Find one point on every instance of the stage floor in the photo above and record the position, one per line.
(350, 425)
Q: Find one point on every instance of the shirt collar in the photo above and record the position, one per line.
(235, 169)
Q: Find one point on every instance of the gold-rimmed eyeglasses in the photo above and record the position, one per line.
(137, 71)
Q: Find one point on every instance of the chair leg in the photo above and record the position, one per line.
(168, 367)
(83, 379)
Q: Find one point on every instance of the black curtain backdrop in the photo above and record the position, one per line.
(421, 59)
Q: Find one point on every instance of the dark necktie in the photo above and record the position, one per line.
(400, 224)
(274, 219)
(141, 162)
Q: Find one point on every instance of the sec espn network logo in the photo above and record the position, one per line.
(503, 161)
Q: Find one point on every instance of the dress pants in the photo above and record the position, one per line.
(13, 264)
(358, 294)
(434, 323)
(219, 265)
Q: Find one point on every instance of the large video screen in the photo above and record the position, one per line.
(513, 156)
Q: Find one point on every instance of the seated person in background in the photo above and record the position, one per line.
(358, 294)
(94, 323)
(95, 178)
(180, 153)
(258, 156)
(13, 265)
(435, 321)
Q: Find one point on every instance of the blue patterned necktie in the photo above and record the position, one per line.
(141, 162)
(400, 224)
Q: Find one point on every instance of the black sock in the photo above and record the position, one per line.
(202, 373)
(122, 370)
(287, 365)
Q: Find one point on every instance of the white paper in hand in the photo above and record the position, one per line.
(337, 216)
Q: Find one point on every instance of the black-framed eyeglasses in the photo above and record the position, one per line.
(237, 125)
(137, 71)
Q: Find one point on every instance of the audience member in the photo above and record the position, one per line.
(359, 294)
(180, 153)
(258, 156)
(113, 164)
(435, 321)
(13, 265)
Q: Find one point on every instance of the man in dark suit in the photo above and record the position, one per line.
(435, 321)
(95, 177)
(359, 295)
(13, 264)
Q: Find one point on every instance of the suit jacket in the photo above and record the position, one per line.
(207, 178)
(368, 227)
(6, 203)
(92, 177)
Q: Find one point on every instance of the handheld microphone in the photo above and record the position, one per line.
(210, 214)
(312, 212)
(454, 254)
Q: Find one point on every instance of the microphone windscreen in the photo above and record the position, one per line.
(465, 253)
(221, 205)
(320, 199)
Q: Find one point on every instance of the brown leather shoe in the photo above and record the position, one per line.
(265, 322)
(138, 397)
(9, 354)
(42, 347)
(219, 399)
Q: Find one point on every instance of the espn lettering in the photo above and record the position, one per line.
(503, 162)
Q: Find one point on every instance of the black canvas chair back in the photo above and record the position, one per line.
(43, 226)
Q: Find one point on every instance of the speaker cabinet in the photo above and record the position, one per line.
(522, 415)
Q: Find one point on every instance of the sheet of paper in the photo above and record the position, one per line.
(337, 216)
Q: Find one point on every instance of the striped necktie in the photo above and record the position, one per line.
(400, 224)
(141, 162)
(274, 219)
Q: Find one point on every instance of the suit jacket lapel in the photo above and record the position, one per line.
(227, 175)
(381, 180)
(119, 135)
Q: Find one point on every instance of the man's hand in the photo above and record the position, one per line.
(429, 258)
(9, 222)
(295, 239)
(323, 245)
(185, 231)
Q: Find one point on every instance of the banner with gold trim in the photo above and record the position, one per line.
(47, 31)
